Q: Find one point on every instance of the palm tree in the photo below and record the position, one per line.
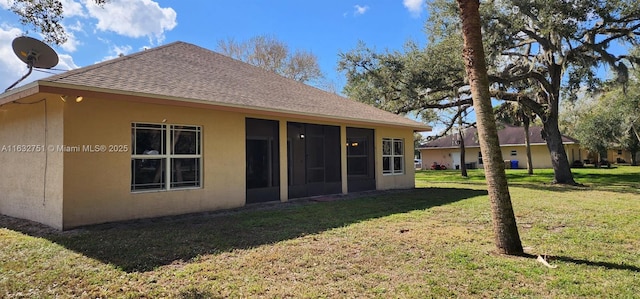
(504, 221)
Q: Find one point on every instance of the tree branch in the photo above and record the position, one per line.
(520, 98)
(540, 78)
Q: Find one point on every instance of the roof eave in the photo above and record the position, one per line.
(476, 146)
(64, 88)
(20, 92)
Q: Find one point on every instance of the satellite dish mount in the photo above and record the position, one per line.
(34, 53)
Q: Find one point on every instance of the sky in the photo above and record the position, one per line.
(325, 28)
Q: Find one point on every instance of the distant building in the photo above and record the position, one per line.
(446, 150)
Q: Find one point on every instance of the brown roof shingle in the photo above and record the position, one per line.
(509, 135)
(185, 72)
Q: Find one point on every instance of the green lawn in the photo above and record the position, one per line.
(434, 241)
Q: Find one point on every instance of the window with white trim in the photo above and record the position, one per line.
(392, 156)
(165, 157)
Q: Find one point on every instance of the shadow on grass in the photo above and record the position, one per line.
(608, 265)
(143, 245)
(621, 182)
(551, 187)
(618, 187)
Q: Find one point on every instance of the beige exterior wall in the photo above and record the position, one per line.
(575, 153)
(31, 185)
(97, 185)
(539, 155)
(614, 154)
(406, 180)
(441, 157)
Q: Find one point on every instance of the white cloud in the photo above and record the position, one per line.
(77, 26)
(134, 18)
(71, 8)
(414, 6)
(66, 63)
(11, 68)
(360, 10)
(114, 50)
(119, 50)
(5, 4)
(72, 43)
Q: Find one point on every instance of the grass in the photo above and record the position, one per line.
(434, 241)
(617, 179)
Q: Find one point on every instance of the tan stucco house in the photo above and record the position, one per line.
(446, 150)
(615, 155)
(180, 129)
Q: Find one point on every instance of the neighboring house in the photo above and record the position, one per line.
(616, 155)
(180, 129)
(446, 150)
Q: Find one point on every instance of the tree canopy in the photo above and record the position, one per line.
(45, 16)
(269, 53)
(612, 120)
(410, 80)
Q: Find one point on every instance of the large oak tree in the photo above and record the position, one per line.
(550, 46)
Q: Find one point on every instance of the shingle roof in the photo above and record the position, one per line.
(509, 135)
(185, 72)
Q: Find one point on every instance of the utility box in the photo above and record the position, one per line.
(507, 164)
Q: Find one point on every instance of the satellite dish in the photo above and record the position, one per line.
(34, 53)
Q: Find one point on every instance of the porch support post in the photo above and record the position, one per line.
(284, 166)
(343, 159)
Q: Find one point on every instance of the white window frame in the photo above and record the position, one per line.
(392, 155)
(169, 156)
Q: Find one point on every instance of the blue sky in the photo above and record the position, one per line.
(325, 28)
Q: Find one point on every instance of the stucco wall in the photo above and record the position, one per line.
(97, 185)
(31, 184)
(575, 153)
(539, 155)
(395, 181)
(440, 156)
(614, 154)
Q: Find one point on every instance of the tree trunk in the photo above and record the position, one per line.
(635, 145)
(559, 160)
(525, 122)
(463, 161)
(602, 157)
(504, 222)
